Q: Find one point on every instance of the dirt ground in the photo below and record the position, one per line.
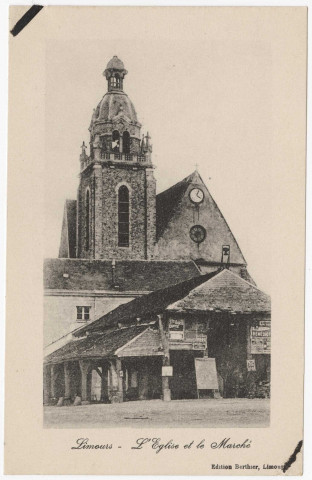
(236, 412)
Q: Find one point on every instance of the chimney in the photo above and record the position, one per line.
(225, 258)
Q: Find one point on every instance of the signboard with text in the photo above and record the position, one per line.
(251, 365)
(260, 338)
(206, 374)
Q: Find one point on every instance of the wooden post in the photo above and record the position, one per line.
(143, 382)
(67, 392)
(116, 393)
(84, 368)
(119, 372)
(166, 360)
(46, 384)
(206, 350)
(113, 375)
(104, 384)
(53, 381)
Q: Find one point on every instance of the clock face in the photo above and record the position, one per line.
(197, 233)
(196, 195)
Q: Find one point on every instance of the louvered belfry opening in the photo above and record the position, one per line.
(126, 142)
(123, 217)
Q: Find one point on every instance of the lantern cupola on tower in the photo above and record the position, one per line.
(115, 73)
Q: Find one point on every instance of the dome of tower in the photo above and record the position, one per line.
(114, 105)
(115, 113)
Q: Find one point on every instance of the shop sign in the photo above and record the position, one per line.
(176, 329)
(251, 365)
(264, 323)
(260, 338)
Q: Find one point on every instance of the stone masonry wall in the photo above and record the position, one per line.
(135, 181)
(103, 182)
(151, 212)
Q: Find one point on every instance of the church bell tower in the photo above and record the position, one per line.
(116, 214)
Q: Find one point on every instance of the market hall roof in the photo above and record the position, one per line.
(225, 292)
(132, 275)
(220, 291)
(148, 305)
(95, 346)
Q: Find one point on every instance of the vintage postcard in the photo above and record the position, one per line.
(156, 221)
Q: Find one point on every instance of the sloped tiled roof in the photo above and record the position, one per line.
(95, 346)
(147, 343)
(221, 291)
(167, 201)
(225, 292)
(145, 306)
(130, 275)
(71, 206)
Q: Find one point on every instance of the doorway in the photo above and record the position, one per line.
(183, 383)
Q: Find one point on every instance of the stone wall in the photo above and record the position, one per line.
(175, 242)
(150, 213)
(103, 183)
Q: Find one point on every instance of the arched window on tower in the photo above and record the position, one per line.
(126, 142)
(123, 217)
(113, 81)
(88, 219)
(115, 141)
(117, 79)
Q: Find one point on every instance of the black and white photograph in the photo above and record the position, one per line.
(150, 299)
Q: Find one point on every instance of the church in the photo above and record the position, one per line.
(150, 297)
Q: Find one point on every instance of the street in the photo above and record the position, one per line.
(236, 412)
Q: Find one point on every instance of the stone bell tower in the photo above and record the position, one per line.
(116, 214)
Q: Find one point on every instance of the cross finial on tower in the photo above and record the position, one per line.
(196, 167)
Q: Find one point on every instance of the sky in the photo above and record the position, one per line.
(206, 100)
